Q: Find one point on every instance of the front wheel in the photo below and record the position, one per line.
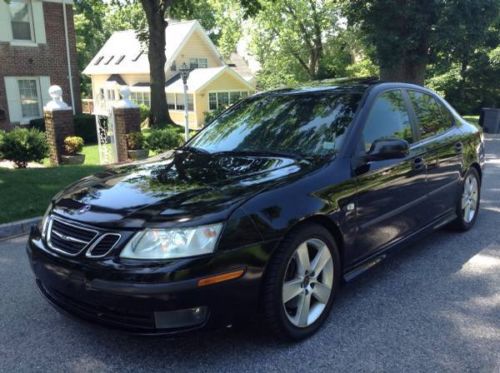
(468, 205)
(301, 283)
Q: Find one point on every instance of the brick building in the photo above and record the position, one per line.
(37, 50)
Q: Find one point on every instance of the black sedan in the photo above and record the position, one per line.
(264, 213)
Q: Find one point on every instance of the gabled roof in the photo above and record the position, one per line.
(123, 53)
(200, 78)
(116, 78)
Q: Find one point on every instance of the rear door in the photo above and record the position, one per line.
(391, 192)
(441, 141)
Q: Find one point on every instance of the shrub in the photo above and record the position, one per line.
(135, 141)
(85, 128)
(23, 145)
(2, 134)
(161, 140)
(73, 145)
(144, 110)
(211, 115)
(38, 124)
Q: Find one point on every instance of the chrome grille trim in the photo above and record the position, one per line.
(51, 231)
(88, 254)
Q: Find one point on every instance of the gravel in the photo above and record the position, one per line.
(434, 306)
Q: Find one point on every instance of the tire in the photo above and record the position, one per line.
(464, 222)
(284, 319)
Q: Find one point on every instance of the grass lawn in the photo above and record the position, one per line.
(91, 155)
(26, 193)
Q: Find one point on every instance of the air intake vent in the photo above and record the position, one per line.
(103, 245)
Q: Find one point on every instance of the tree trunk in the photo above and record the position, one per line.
(155, 15)
(405, 71)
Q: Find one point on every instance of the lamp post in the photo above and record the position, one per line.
(185, 70)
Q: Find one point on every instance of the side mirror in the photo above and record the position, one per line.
(383, 149)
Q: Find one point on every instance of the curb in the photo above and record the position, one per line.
(17, 228)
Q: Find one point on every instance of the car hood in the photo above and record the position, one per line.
(180, 189)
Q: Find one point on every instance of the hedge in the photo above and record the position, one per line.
(84, 127)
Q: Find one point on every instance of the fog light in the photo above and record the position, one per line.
(180, 318)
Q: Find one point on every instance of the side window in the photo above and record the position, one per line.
(432, 117)
(388, 118)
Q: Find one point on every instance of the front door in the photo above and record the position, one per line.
(391, 192)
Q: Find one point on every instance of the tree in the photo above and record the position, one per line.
(155, 11)
(300, 40)
(408, 34)
(90, 35)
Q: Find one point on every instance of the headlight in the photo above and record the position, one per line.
(172, 243)
(45, 221)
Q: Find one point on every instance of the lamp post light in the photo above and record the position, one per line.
(185, 70)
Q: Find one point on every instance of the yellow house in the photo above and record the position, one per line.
(212, 84)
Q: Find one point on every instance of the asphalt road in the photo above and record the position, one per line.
(432, 307)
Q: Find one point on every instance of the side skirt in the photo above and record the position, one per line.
(392, 247)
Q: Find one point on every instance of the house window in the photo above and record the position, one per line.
(21, 20)
(175, 101)
(179, 101)
(30, 98)
(222, 100)
(141, 98)
(198, 63)
(212, 101)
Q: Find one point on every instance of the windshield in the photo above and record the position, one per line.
(306, 124)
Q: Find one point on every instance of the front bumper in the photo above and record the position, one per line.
(151, 298)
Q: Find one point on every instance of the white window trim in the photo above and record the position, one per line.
(25, 42)
(26, 120)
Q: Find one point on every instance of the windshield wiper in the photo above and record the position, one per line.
(195, 150)
(262, 153)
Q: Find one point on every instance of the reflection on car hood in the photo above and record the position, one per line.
(181, 188)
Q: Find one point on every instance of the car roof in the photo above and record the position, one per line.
(358, 85)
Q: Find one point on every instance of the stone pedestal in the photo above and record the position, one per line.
(58, 125)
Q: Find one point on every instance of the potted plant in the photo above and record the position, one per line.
(73, 145)
(136, 146)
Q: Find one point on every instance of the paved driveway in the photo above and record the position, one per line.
(432, 307)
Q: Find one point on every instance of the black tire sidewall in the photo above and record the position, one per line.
(274, 282)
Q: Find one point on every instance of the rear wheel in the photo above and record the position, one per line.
(301, 283)
(468, 204)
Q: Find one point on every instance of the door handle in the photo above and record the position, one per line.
(419, 164)
(459, 147)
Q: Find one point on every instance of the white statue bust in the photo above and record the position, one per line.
(57, 102)
(125, 102)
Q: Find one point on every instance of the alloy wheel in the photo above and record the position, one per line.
(308, 283)
(470, 198)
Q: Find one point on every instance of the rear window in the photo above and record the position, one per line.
(433, 117)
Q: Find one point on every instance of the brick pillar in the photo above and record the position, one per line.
(58, 124)
(127, 120)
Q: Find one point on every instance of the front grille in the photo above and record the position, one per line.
(103, 245)
(69, 238)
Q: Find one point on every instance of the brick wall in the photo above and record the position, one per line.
(45, 59)
(58, 126)
(126, 121)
